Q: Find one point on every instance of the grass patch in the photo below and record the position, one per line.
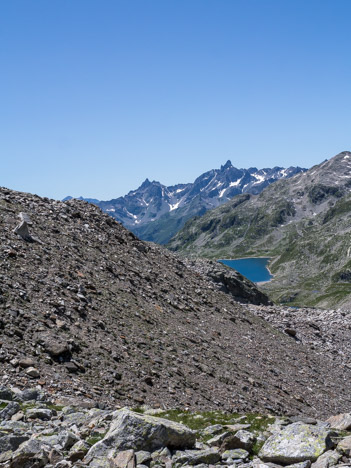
(93, 440)
(198, 421)
(3, 405)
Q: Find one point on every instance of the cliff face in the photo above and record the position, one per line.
(88, 309)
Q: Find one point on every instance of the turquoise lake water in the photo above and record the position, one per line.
(254, 268)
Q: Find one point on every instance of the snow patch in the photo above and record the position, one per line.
(259, 179)
(174, 207)
(236, 183)
(110, 209)
(221, 193)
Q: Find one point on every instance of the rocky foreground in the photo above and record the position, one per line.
(35, 433)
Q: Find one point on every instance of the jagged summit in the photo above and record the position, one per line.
(227, 165)
(155, 212)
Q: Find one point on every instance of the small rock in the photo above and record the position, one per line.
(235, 454)
(26, 362)
(124, 459)
(33, 372)
(39, 413)
(142, 457)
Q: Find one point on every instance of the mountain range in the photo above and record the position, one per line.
(303, 224)
(155, 212)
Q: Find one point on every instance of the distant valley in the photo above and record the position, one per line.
(156, 213)
(303, 224)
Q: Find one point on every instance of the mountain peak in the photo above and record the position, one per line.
(226, 165)
(145, 184)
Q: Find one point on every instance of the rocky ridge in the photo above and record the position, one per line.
(155, 212)
(90, 311)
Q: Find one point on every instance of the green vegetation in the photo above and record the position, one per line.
(200, 420)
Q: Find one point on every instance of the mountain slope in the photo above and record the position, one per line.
(105, 316)
(155, 212)
(304, 223)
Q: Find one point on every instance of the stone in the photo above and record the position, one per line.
(305, 464)
(341, 421)
(67, 439)
(344, 446)
(328, 459)
(142, 457)
(296, 443)
(28, 394)
(124, 459)
(235, 454)
(195, 457)
(33, 372)
(39, 413)
(213, 430)
(130, 430)
(30, 451)
(55, 456)
(12, 408)
(78, 451)
(26, 362)
(11, 442)
(6, 394)
(23, 231)
(242, 439)
(218, 439)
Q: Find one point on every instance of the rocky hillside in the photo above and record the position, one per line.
(89, 310)
(155, 212)
(302, 223)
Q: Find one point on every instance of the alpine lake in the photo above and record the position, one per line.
(254, 268)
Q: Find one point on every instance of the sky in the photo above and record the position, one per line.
(96, 96)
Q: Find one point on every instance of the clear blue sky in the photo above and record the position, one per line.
(96, 96)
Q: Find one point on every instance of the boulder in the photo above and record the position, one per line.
(235, 454)
(344, 446)
(12, 408)
(30, 453)
(341, 421)
(196, 457)
(242, 439)
(130, 430)
(296, 443)
(329, 458)
(124, 459)
(39, 413)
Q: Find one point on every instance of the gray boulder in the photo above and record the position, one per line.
(341, 421)
(296, 443)
(242, 439)
(328, 459)
(12, 408)
(30, 453)
(130, 430)
(196, 457)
